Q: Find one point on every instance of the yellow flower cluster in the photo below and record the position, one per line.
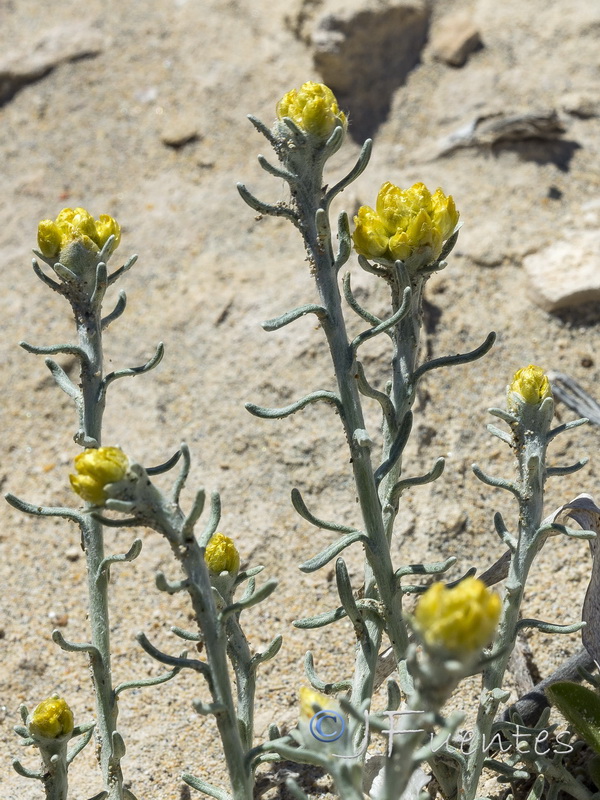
(221, 555)
(532, 384)
(405, 221)
(309, 698)
(76, 224)
(460, 620)
(313, 108)
(95, 469)
(51, 719)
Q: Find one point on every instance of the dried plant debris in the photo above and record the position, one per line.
(489, 129)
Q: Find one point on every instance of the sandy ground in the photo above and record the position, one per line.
(91, 132)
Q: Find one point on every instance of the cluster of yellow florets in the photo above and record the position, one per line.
(461, 620)
(405, 221)
(313, 108)
(531, 384)
(51, 719)
(221, 555)
(76, 224)
(95, 469)
(310, 698)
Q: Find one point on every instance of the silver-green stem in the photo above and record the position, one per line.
(186, 549)
(111, 749)
(245, 679)
(379, 573)
(54, 756)
(215, 643)
(406, 336)
(530, 439)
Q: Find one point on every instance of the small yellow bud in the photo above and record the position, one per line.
(313, 108)
(76, 224)
(370, 234)
(222, 555)
(106, 227)
(51, 719)
(406, 222)
(95, 469)
(460, 620)
(309, 698)
(49, 238)
(532, 384)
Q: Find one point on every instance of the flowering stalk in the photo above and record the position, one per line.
(210, 563)
(529, 415)
(453, 625)
(50, 729)
(412, 225)
(304, 156)
(76, 248)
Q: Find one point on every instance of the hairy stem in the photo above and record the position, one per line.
(89, 329)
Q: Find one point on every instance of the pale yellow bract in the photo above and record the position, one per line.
(313, 108)
(51, 719)
(461, 620)
(76, 224)
(532, 384)
(95, 469)
(222, 555)
(403, 222)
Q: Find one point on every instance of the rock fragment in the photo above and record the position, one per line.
(178, 132)
(454, 39)
(364, 50)
(584, 105)
(67, 42)
(567, 273)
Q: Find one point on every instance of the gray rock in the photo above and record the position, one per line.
(67, 42)
(179, 131)
(567, 273)
(364, 50)
(454, 39)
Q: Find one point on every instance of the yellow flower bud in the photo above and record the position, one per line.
(49, 238)
(445, 215)
(222, 555)
(370, 234)
(460, 620)
(532, 384)
(313, 108)
(76, 225)
(309, 698)
(106, 227)
(406, 222)
(96, 468)
(51, 719)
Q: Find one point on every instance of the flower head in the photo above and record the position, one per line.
(322, 725)
(221, 555)
(76, 225)
(313, 108)
(51, 719)
(310, 698)
(531, 384)
(405, 224)
(460, 620)
(96, 468)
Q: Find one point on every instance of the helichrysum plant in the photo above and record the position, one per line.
(50, 728)
(76, 248)
(403, 238)
(455, 629)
